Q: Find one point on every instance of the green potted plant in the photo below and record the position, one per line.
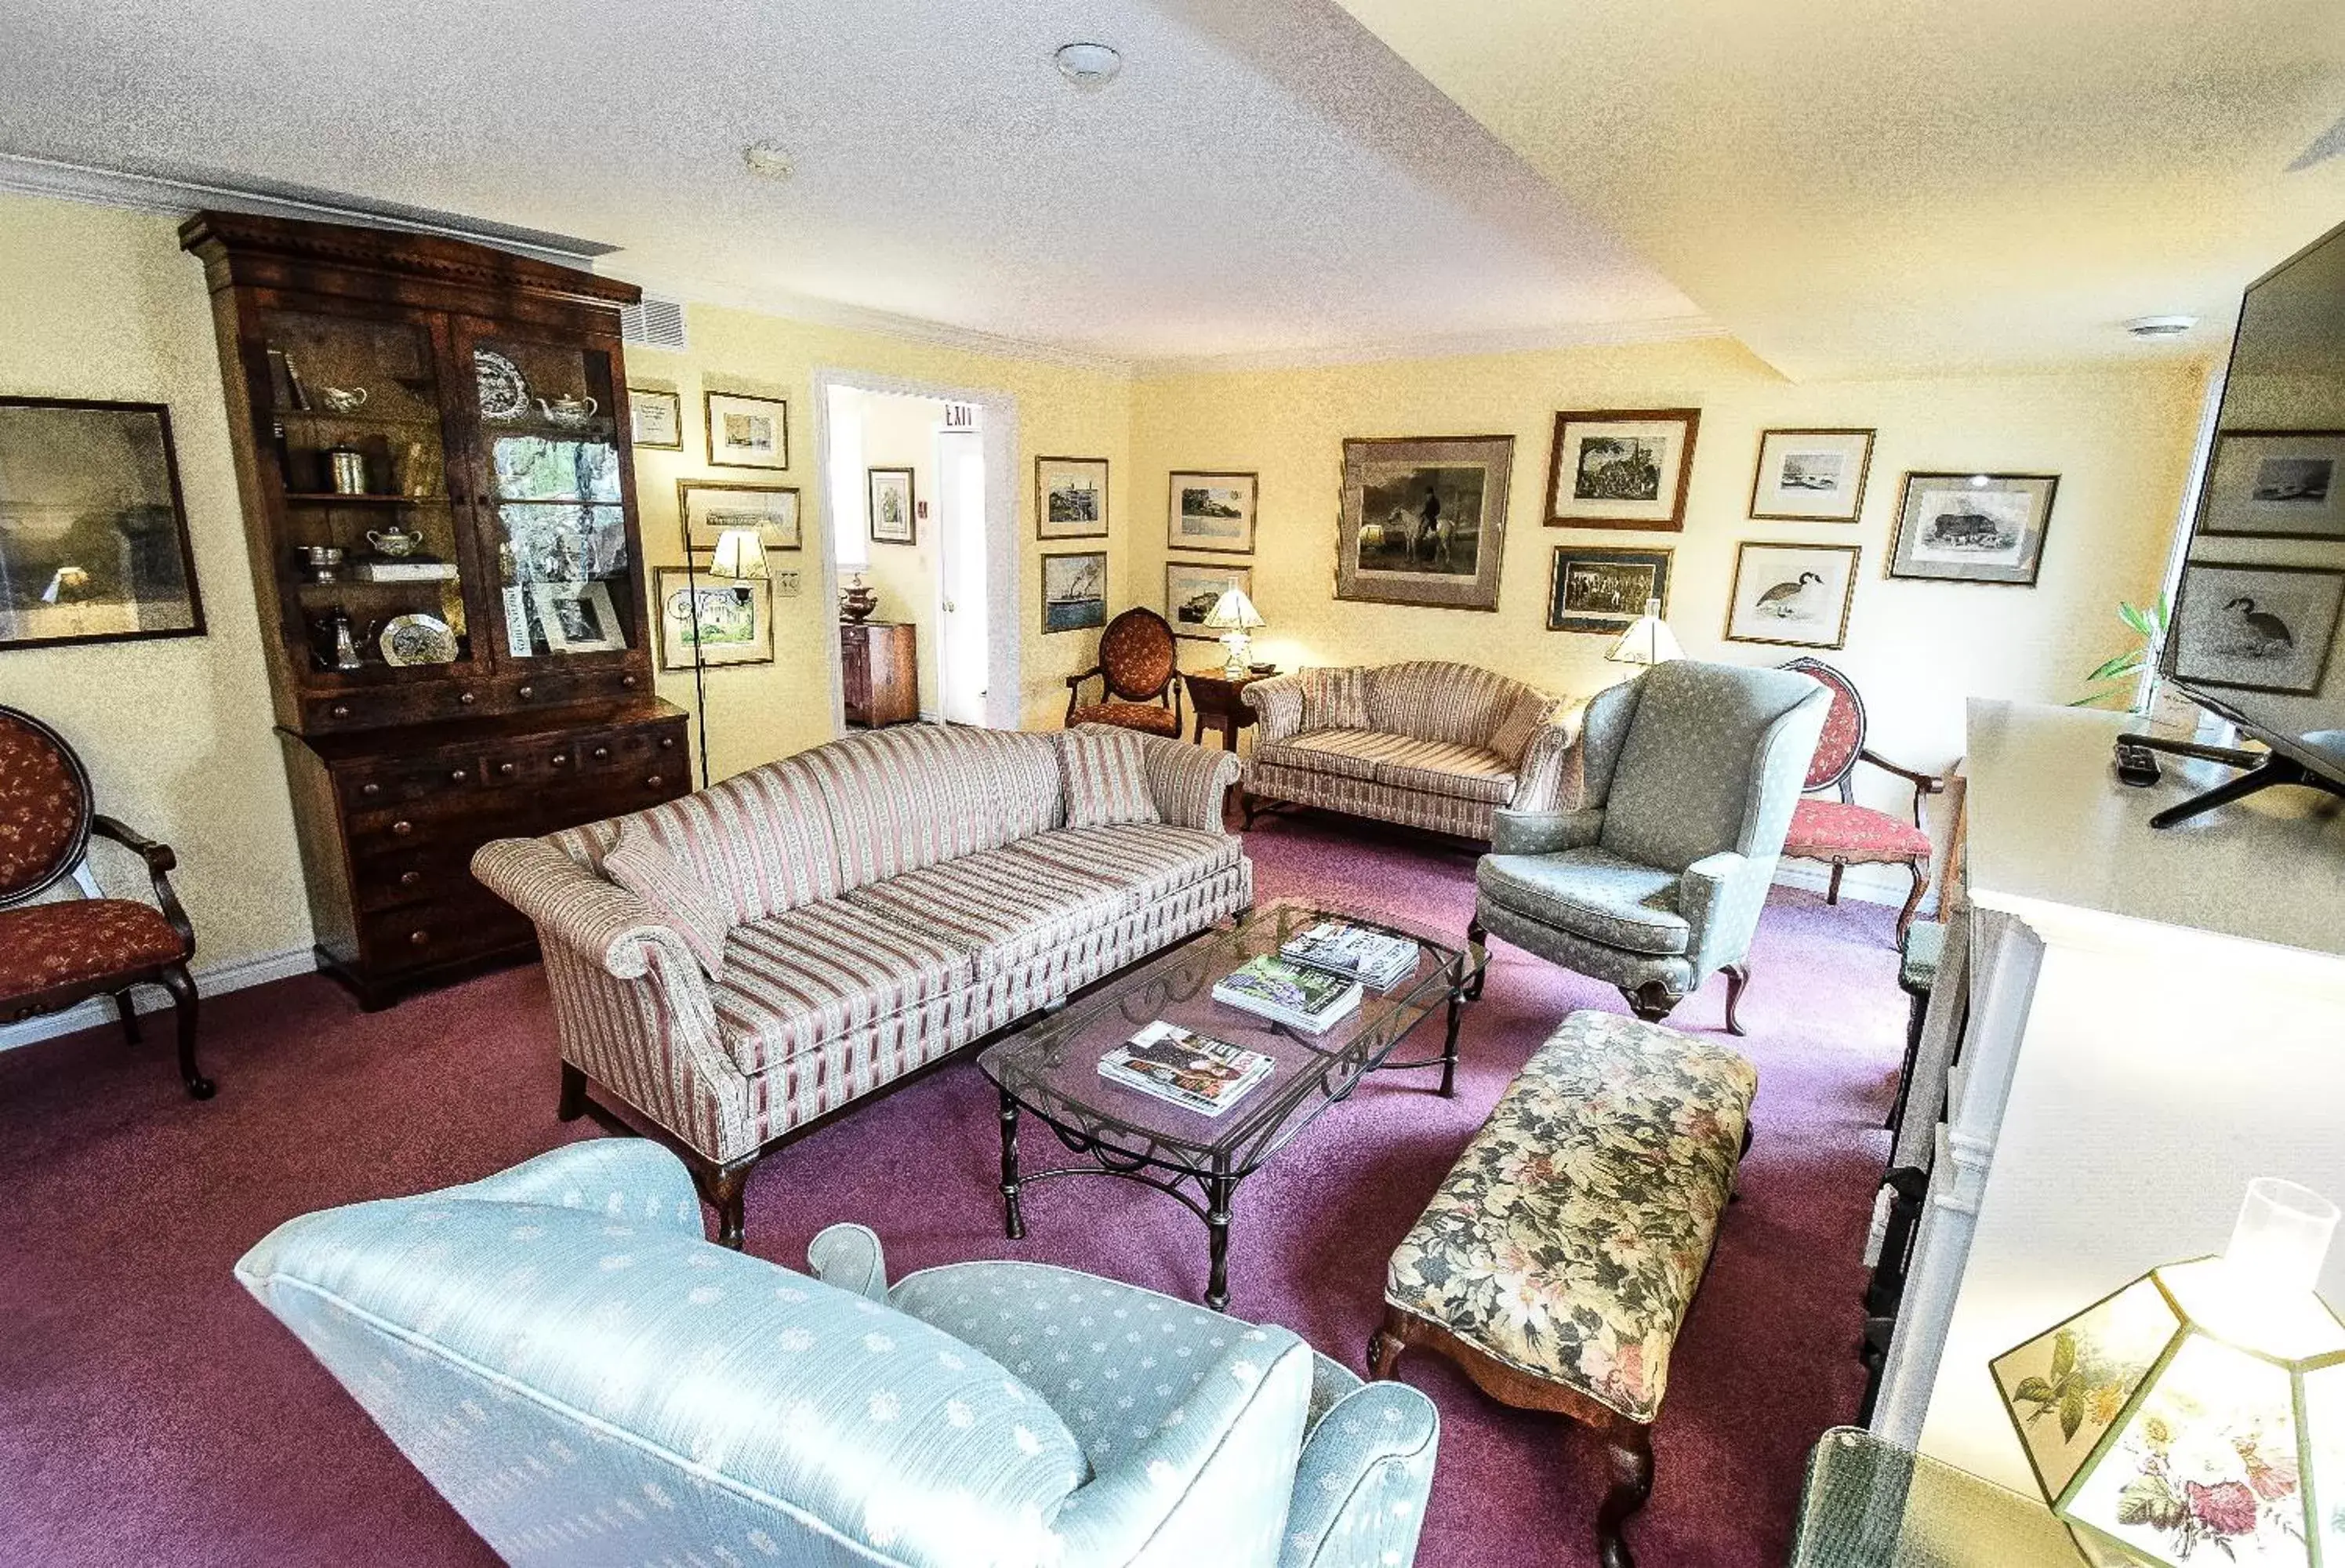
(2118, 682)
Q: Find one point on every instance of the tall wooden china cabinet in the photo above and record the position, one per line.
(431, 445)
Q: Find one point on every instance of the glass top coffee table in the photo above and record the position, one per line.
(1051, 1069)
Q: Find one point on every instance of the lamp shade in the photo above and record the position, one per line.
(2198, 1413)
(1647, 640)
(740, 556)
(1233, 611)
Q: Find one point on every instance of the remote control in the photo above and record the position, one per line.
(2137, 765)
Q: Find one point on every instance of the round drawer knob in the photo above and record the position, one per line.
(467, 698)
(602, 754)
(560, 760)
(417, 938)
(667, 742)
(369, 789)
(458, 776)
(654, 781)
(341, 710)
(410, 879)
(526, 692)
(402, 828)
(504, 770)
(628, 681)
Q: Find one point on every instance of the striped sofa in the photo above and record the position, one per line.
(891, 897)
(1426, 744)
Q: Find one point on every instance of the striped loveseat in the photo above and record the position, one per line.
(1426, 744)
(854, 913)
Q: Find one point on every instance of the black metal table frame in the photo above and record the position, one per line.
(1217, 1187)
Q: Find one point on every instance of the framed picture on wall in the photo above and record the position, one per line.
(93, 534)
(655, 419)
(1623, 468)
(1811, 476)
(2277, 484)
(707, 507)
(1973, 527)
(1212, 512)
(1592, 588)
(1069, 498)
(2257, 628)
(1795, 595)
(1074, 591)
(747, 432)
(892, 517)
(1192, 588)
(727, 622)
(1423, 521)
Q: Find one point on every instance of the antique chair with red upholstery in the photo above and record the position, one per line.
(1139, 676)
(58, 952)
(1842, 833)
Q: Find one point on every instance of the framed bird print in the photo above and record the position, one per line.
(1973, 527)
(1791, 595)
(2257, 628)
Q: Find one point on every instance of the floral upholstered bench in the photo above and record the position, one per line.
(1557, 1263)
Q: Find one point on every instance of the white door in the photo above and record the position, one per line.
(961, 577)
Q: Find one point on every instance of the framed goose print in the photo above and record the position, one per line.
(1791, 595)
(1623, 468)
(1811, 476)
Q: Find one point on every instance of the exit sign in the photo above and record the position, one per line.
(960, 416)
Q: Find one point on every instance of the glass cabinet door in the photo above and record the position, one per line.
(553, 496)
(372, 570)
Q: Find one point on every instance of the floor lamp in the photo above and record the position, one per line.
(740, 557)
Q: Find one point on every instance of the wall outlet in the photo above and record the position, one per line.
(785, 585)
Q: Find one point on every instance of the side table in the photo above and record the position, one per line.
(1215, 698)
(1869, 1505)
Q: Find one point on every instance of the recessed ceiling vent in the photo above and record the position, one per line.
(657, 323)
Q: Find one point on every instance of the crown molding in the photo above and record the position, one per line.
(1445, 346)
(177, 198)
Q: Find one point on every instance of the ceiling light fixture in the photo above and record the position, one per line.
(767, 161)
(1089, 66)
(2151, 328)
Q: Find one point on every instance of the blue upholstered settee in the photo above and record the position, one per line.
(588, 1381)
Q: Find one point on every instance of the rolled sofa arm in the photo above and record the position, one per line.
(1552, 773)
(1191, 786)
(605, 922)
(1361, 1486)
(1278, 705)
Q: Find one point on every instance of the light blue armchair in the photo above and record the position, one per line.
(1686, 778)
(587, 1380)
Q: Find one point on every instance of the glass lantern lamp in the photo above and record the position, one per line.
(1234, 616)
(2198, 1415)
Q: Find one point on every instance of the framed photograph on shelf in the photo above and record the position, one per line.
(1793, 595)
(2257, 628)
(1623, 468)
(1423, 521)
(93, 534)
(729, 622)
(1973, 527)
(1074, 591)
(2277, 484)
(1811, 476)
(1593, 589)
(1213, 512)
(1069, 498)
(747, 432)
(579, 618)
(1192, 588)
(655, 419)
(893, 519)
(707, 507)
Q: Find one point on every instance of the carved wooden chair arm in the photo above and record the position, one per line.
(1074, 695)
(1923, 784)
(160, 863)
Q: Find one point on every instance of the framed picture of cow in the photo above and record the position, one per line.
(1423, 521)
(1973, 527)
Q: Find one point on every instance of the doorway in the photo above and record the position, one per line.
(960, 576)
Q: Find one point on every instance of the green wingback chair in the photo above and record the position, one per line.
(587, 1380)
(1688, 775)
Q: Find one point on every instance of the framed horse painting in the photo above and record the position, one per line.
(1423, 521)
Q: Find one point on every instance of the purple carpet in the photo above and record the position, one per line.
(151, 1412)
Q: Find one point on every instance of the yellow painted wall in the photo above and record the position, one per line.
(2120, 440)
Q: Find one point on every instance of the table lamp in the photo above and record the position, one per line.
(1234, 615)
(2198, 1415)
(1647, 640)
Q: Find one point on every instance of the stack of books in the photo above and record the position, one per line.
(1285, 992)
(1376, 959)
(1207, 1075)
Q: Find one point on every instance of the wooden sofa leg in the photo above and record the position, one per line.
(182, 986)
(572, 1104)
(1738, 976)
(1628, 1446)
(1652, 1001)
(726, 1189)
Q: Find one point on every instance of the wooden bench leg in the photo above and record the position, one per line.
(1629, 1448)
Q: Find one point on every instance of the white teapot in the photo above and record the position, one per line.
(571, 411)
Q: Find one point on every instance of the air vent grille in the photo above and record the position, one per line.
(657, 323)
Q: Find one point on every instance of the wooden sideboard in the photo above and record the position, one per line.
(879, 672)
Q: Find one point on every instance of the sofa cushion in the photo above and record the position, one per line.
(915, 794)
(1591, 892)
(1349, 753)
(1432, 700)
(1521, 721)
(1106, 777)
(1142, 862)
(1336, 699)
(1442, 767)
(818, 972)
(760, 840)
(679, 900)
(1006, 908)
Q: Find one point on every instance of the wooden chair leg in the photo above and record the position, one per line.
(572, 1103)
(182, 986)
(1913, 901)
(127, 1008)
(1652, 1001)
(1738, 976)
(1831, 889)
(1628, 1446)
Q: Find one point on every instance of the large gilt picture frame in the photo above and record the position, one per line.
(1423, 521)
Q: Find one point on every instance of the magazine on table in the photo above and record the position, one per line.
(1374, 959)
(1292, 994)
(1207, 1075)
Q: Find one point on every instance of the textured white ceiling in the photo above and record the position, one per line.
(1263, 178)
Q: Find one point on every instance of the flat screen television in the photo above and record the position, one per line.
(2259, 625)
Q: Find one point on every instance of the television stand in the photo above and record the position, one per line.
(2264, 770)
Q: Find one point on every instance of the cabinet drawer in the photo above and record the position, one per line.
(440, 931)
(391, 880)
(379, 784)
